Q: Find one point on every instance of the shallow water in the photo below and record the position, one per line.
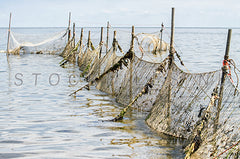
(39, 120)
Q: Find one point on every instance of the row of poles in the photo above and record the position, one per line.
(171, 51)
(171, 57)
(89, 34)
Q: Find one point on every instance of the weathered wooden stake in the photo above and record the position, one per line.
(80, 48)
(69, 24)
(89, 39)
(74, 33)
(114, 45)
(81, 38)
(114, 41)
(9, 27)
(132, 40)
(161, 33)
(101, 40)
(131, 64)
(100, 51)
(224, 74)
(108, 26)
(169, 76)
(171, 51)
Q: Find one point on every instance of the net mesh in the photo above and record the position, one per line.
(181, 104)
(189, 92)
(37, 43)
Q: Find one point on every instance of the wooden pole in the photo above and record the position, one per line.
(69, 24)
(114, 45)
(101, 40)
(224, 74)
(131, 64)
(74, 33)
(169, 76)
(81, 38)
(89, 39)
(80, 48)
(114, 41)
(9, 27)
(108, 26)
(161, 33)
(171, 51)
(100, 51)
(132, 40)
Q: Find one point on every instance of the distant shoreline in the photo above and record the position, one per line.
(192, 27)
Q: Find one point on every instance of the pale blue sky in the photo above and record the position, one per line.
(54, 13)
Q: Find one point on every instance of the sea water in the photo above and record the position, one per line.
(39, 120)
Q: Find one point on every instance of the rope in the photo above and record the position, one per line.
(120, 49)
(225, 63)
(129, 55)
(29, 44)
(235, 68)
(143, 91)
(227, 149)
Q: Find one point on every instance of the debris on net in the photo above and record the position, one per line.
(115, 67)
(69, 55)
(200, 126)
(179, 101)
(124, 111)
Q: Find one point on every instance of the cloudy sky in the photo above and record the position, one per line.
(54, 13)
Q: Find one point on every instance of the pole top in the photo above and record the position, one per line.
(226, 57)
(133, 29)
(115, 34)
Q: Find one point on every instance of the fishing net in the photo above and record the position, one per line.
(189, 93)
(182, 104)
(37, 43)
(222, 131)
(137, 68)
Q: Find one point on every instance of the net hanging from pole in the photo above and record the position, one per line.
(117, 82)
(37, 43)
(179, 101)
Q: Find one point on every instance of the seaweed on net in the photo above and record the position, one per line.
(173, 97)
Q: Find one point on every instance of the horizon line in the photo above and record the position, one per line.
(187, 27)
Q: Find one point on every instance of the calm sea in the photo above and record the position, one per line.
(39, 120)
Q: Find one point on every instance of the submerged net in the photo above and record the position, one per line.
(37, 43)
(182, 104)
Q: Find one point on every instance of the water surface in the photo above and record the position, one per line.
(39, 120)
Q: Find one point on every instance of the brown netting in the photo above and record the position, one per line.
(189, 92)
(182, 104)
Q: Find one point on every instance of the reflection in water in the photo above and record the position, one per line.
(42, 121)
